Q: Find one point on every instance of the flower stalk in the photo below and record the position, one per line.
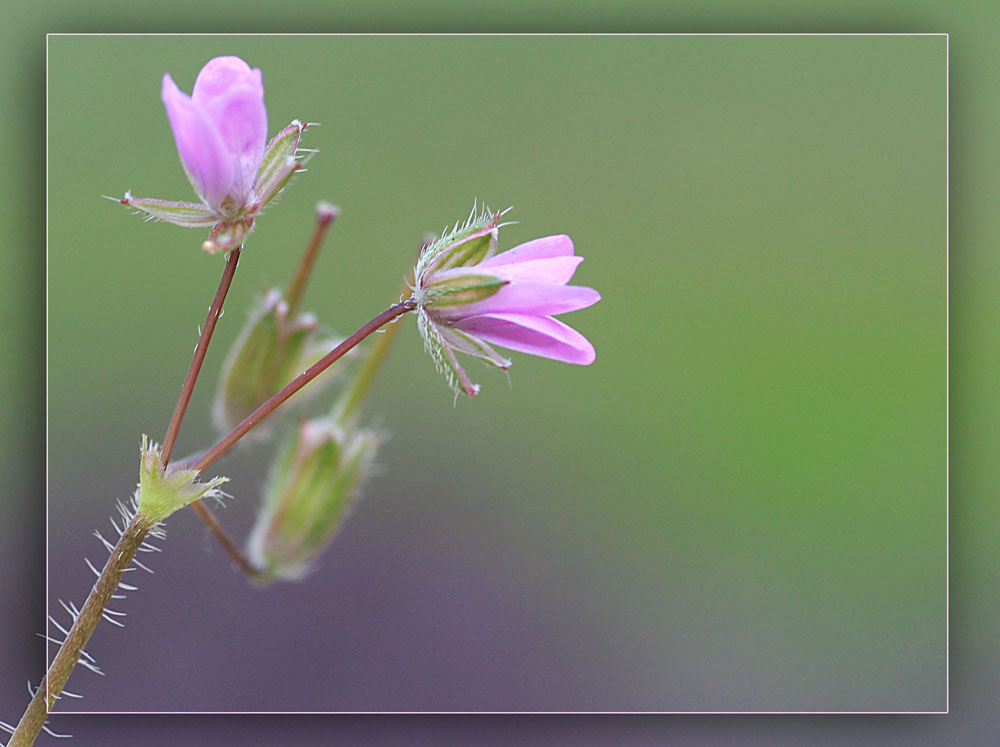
(214, 312)
(326, 214)
(353, 396)
(232, 549)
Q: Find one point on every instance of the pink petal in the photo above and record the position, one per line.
(223, 73)
(538, 299)
(554, 271)
(241, 121)
(535, 335)
(543, 248)
(231, 95)
(209, 168)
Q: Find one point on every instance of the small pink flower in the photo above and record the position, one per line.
(221, 135)
(469, 297)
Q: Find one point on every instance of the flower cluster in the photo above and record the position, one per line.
(467, 295)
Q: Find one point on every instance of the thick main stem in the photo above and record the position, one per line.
(300, 381)
(214, 312)
(83, 627)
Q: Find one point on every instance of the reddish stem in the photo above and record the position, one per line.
(325, 215)
(354, 394)
(228, 545)
(214, 312)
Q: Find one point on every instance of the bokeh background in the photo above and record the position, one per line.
(739, 506)
(974, 276)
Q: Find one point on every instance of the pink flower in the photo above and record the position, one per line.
(470, 298)
(221, 135)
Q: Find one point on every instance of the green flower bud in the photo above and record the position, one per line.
(270, 351)
(163, 491)
(313, 482)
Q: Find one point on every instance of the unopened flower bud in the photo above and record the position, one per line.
(163, 491)
(270, 351)
(312, 484)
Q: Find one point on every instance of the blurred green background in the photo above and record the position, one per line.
(740, 506)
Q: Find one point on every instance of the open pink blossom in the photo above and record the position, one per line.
(471, 298)
(221, 136)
